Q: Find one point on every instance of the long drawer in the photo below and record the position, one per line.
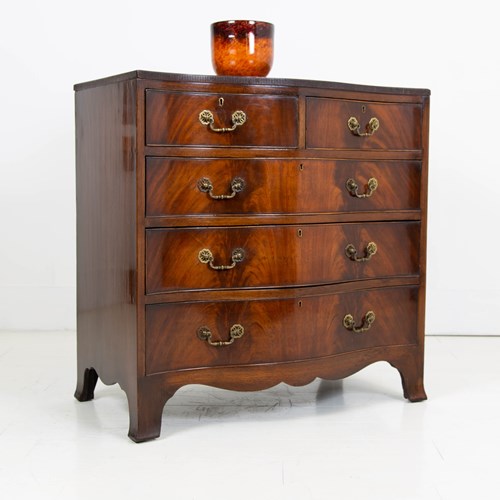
(184, 186)
(208, 334)
(288, 255)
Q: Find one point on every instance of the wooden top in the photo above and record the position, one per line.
(244, 80)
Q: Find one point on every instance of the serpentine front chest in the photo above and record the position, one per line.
(240, 232)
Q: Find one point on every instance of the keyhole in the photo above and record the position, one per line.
(301, 167)
(363, 109)
(221, 101)
(300, 303)
(299, 233)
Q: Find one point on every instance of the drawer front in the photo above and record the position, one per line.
(277, 330)
(185, 186)
(400, 125)
(269, 256)
(173, 118)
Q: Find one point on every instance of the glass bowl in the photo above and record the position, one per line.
(242, 48)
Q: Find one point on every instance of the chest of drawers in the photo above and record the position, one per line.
(242, 232)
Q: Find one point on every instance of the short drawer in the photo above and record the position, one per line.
(183, 119)
(179, 336)
(188, 186)
(268, 256)
(327, 125)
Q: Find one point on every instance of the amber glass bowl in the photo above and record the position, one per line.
(242, 48)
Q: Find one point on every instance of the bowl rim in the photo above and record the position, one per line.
(248, 21)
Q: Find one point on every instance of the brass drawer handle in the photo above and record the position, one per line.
(235, 332)
(205, 256)
(366, 324)
(355, 127)
(238, 118)
(205, 186)
(352, 187)
(370, 251)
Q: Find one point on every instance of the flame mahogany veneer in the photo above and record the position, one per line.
(287, 248)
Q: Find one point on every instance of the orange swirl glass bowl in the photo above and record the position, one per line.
(242, 48)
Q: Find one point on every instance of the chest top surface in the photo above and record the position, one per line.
(279, 82)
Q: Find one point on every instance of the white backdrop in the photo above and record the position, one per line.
(449, 47)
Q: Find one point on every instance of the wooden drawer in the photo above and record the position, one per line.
(172, 118)
(266, 256)
(400, 125)
(178, 186)
(277, 330)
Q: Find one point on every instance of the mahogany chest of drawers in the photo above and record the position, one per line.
(242, 232)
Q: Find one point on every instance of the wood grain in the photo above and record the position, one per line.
(173, 118)
(106, 255)
(277, 330)
(313, 186)
(278, 255)
(326, 124)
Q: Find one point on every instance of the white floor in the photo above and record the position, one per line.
(356, 439)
